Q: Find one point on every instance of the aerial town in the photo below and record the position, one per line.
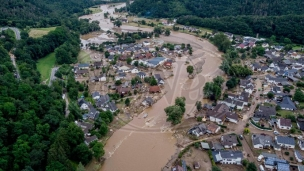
(131, 91)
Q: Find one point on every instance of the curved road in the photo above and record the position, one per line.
(18, 37)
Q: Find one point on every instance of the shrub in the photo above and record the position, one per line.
(255, 124)
(291, 158)
(286, 153)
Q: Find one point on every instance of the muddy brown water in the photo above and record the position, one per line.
(147, 143)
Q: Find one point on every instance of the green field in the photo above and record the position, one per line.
(45, 66)
(95, 10)
(297, 48)
(83, 57)
(39, 32)
(284, 113)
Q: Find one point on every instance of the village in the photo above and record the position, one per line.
(257, 121)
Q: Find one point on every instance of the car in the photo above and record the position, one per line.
(260, 157)
(276, 132)
(241, 137)
(300, 137)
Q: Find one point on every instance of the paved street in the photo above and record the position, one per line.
(52, 77)
(16, 30)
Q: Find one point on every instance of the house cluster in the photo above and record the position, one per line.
(246, 42)
(82, 70)
(191, 29)
(221, 113)
(86, 128)
(203, 129)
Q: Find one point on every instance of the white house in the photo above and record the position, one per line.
(287, 142)
(134, 71)
(84, 105)
(232, 117)
(102, 77)
(95, 95)
(231, 157)
(298, 156)
(301, 144)
(284, 124)
(146, 43)
(124, 69)
(261, 141)
(219, 118)
(229, 141)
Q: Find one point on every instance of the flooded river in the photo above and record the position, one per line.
(147, 144)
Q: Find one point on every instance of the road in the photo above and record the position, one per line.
(52, 77)
(13, 58)
(67, 112)
(16, 31)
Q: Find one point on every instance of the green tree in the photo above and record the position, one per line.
(117, 23)
(174, 114)
(118, 82)
(127, 102)
(190, 69)
(167, 32)
(222, 42)
(246, 131)
(157, 30)
(107, 54)
(103, 130)
(251, 167)
(215, 168)
(299, 95)
(80, 167)
(198, 105)
(153, 81)
(270, 95)
(245, 162)
(82, 153)
(259, 50)
(129, 60)
(218, 80)
(98, 150)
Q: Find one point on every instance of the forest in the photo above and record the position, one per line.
(280, 17)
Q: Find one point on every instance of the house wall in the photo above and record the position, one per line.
(84, 106)
(286, 145)
(232, 120)
(259, 146)
(231, 161)
(219, 121)
(298, 159)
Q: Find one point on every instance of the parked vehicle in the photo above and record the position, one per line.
(241, 137)
(260, 157)
(261, 168)
(276, 133)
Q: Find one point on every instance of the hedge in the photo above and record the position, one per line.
(259, 125)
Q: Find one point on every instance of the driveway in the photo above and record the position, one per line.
(52, 77)
(16, 31)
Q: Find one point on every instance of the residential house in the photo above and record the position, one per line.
(261, 141)
(148, 101)
(89, 139)
(300, 123)
(120, 76)
(229, 141)
(134, 71)
(220, 113)
(122, 90)
(83, 66)
(95, 95)
(97, 64)
(232, 117)
(276, 163)
(256, 67)
(215, 146)
(159, 79)
(298, 156)
(276, 80)
(93, 113)
(85, 126)
(278, 48)
(301, 144)
(287, 104)
(155, 62)
(81, 72)
(219, 118)
(228, 157)
(212, 128)
(265, 112)
(84, 105)
(198, 130)
(286, 142)
(142, 75)
(111, 106)
(168, 64)
(233, 103)
(124, 69)
(146, 43)
(154, 89)
(284, 124)
(103, 100)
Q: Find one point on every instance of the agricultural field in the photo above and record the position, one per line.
(39, 32)
(45, 66)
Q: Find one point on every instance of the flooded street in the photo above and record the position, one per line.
(147, 144)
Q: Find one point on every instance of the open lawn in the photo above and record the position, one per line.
(39, 32)
(83, 57)
(95, 10)
(284, 113)
(299, 48)
(45, 66)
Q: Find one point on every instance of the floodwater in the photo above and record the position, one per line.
(147, 144)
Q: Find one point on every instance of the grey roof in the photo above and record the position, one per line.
(287, 103)
(216, 156)
(265, 112)
(229, 139)
(103, 99)
(156, 61)
(274, 161)
(83, 65)
(216, 145)
(285, 140)
(283, 167)
(298, 154)
(262, 139)
(141, 74)
(95, 94)
(269, 155)
(88, 140)
(122, 74)
(112, 106)
(205, 145)
(300, 167)
(229, 154)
